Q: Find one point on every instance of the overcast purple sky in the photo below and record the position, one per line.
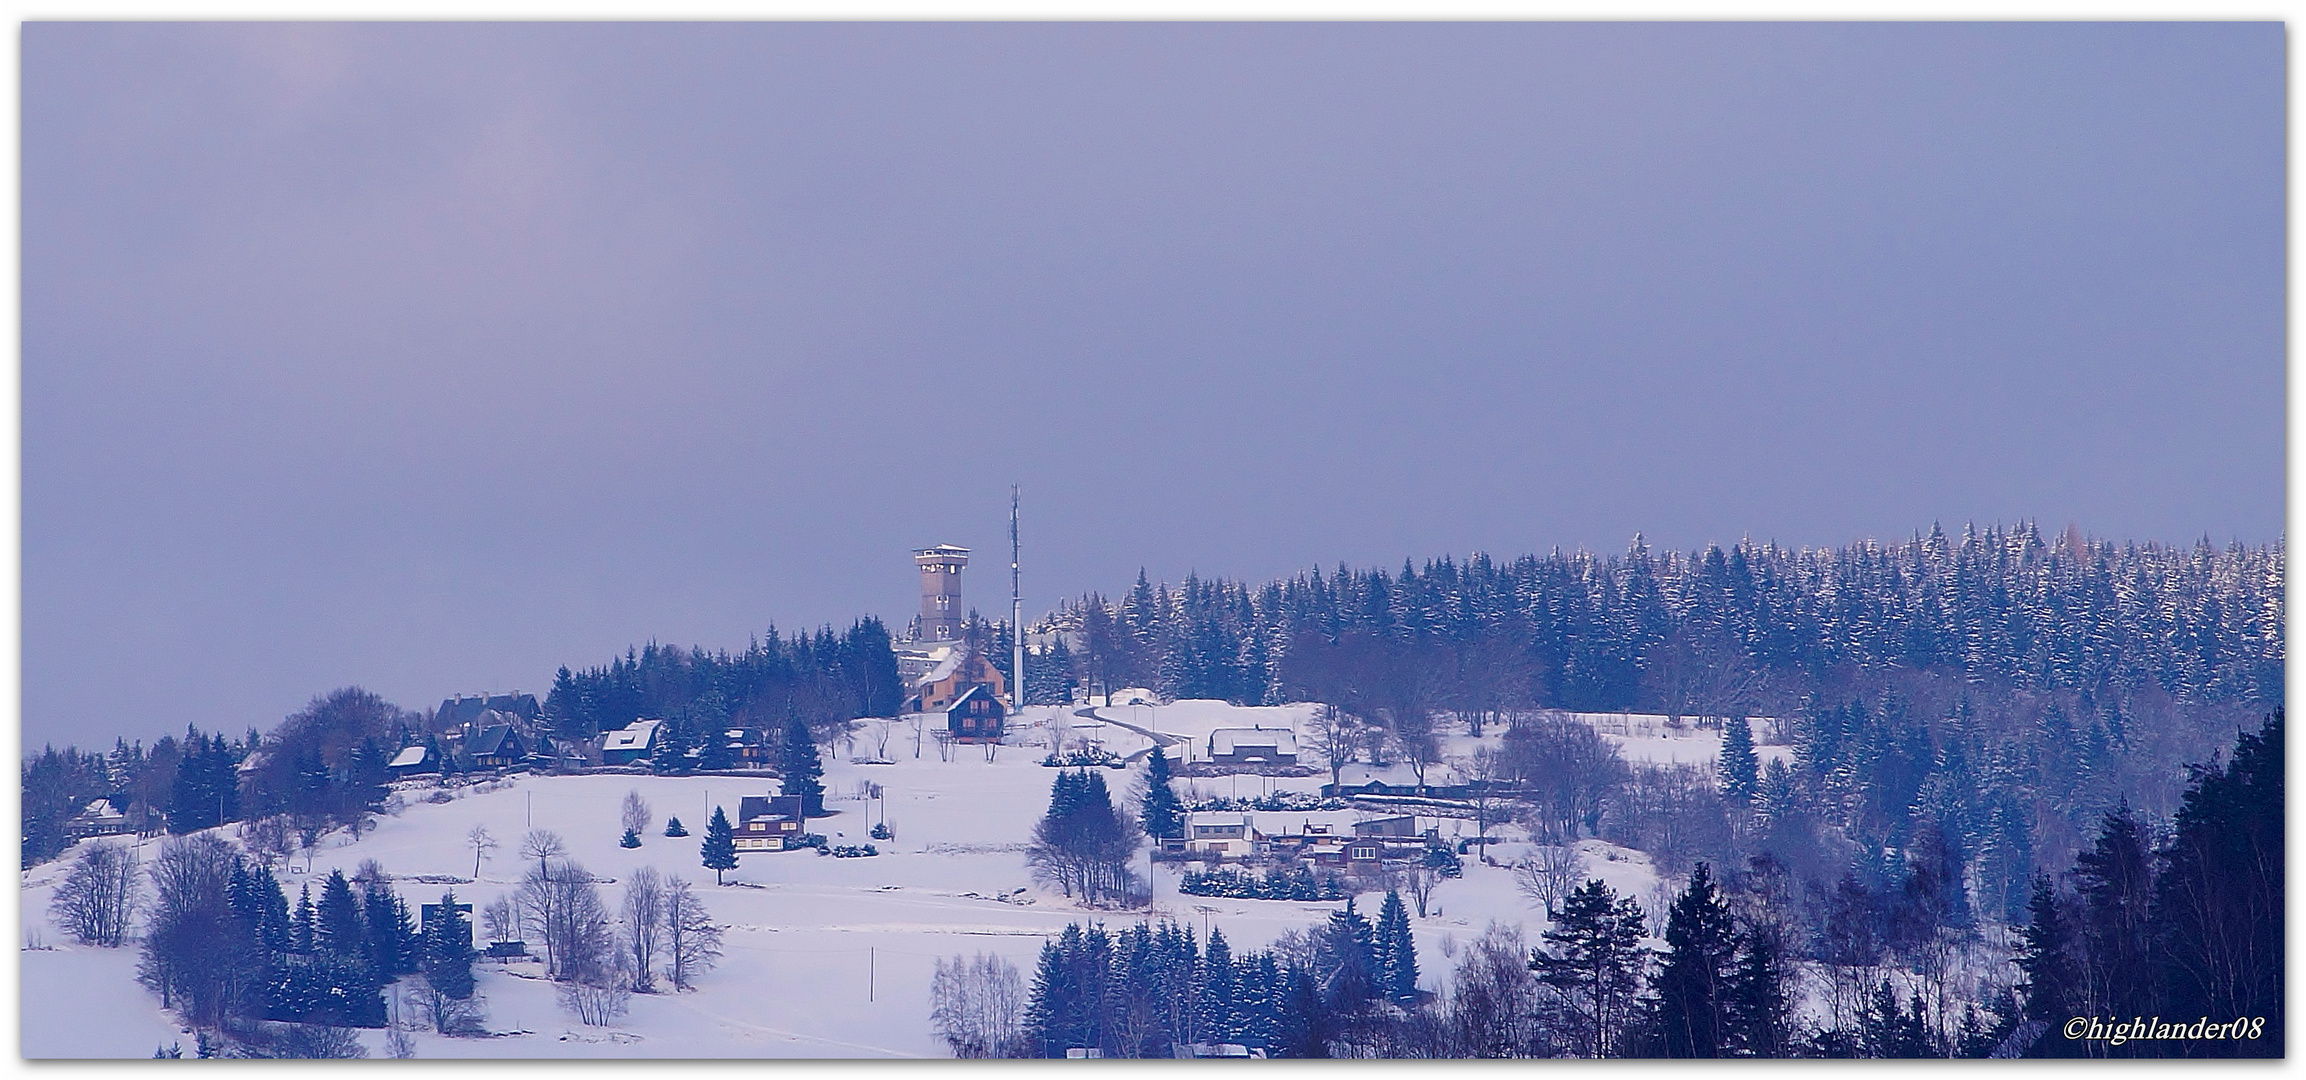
(430, 358)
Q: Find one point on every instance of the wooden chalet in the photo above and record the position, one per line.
(497, 747)
(770, 822)
(977, 716)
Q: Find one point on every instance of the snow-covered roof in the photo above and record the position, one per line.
(634, 736)
(1233, 740)
(100, 810)
(1399, 774)
(409, 757)
(943, 670)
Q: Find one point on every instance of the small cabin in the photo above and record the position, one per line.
(769, 822)
(976, 716)
(417, 760)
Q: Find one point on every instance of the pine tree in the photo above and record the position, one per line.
(1689, 1010)
(1759, 1011)
(671, 753)
(447, 951)
(1164, 814)
(1396, 952)
(2218, 907)
(1740, 769)
(339, 929)
(378, 926)
(1051, 1000)
(1348, 961)
(1220, 992)
(304, 928)
(720, 846)
(673, 827)
(1593, 962)
(2115, 879)
(800, 768)
(717, 754)
(2052, 991)
(630, 839)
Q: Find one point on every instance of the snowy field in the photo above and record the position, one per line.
(825, 957)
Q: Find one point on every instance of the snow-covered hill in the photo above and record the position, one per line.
(825, 957)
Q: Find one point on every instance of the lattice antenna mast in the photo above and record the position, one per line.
(1016, 611)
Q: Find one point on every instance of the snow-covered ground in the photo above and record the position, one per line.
(825, 957)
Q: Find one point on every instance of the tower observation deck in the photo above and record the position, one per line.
(941, 590)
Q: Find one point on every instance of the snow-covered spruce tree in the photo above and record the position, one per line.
(1084, 844)
(448, 950)
(671, 753)
(1396, 952)
(447, 997)
(1164, 815)
(673, 827)
(1740, 768)
(720, 847)
(799, 769)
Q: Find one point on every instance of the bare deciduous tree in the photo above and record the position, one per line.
(397, 1041)
(562, 909)
(977, 1007)
(498, 921)
(1493, 998)
(1419, 881)
(692, 942)
(541, 845)
(482, 843)
(1550, 874)
(635, 813)
(269, 839)
(641, 926)
(95, 902)
(599, 996)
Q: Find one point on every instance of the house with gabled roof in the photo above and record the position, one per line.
(631, 743)
(497, 747)
(977, 716)
(417, 760)
(1251, 746)
(770, 822)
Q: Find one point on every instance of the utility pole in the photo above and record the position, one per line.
(1016, 612)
